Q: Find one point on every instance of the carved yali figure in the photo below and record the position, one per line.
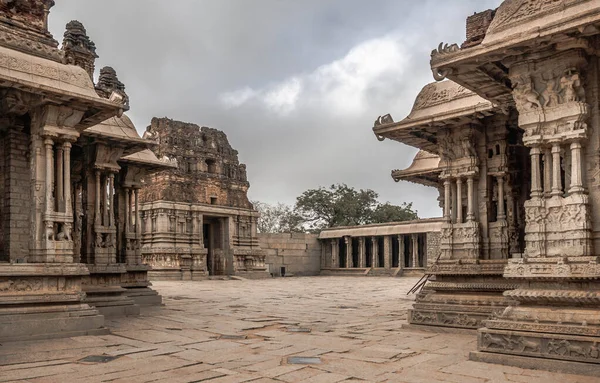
(526, 96)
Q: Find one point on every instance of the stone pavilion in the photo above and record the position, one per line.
(71, 164)
(515, 121)
(197, 220)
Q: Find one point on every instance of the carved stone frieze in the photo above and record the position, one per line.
(558, 226)
(431, 95)
(460, 241)
(461, 320)
(462, 266)
(558, 347)
(557, 267)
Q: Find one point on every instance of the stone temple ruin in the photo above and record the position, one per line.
(516, 127)
(72, 163)
(196, 217)
(509, 134)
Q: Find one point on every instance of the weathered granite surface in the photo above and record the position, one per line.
(215, 331)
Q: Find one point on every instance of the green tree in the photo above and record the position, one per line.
(278, 218)
(341, 205)
(386, 212)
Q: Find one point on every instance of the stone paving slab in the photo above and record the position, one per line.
(225, 331)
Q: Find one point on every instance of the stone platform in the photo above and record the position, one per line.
(214, 331)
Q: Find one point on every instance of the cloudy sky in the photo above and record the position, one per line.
(295, 84)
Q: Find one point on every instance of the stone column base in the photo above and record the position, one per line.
(462, 296)
(103, 291)
(567, 342)
(144, 296)
(42, 301)
(253, 274)
(537, 363)
(137, 286)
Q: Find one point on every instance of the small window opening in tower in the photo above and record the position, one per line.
(211, 166)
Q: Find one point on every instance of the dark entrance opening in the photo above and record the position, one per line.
(206, 235)
(342, 252)
(422, 241)
(380, 252)
(395, 251)
(355, 249)
(213, 243)
(406, 251)
(369, 252)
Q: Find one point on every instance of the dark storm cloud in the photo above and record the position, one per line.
(296, 85)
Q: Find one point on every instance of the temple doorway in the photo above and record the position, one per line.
(213, 242)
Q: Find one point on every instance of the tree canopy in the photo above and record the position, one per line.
(338, 205)
(279, 218)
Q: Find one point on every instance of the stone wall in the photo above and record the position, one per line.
(299, 253)
(477, 26)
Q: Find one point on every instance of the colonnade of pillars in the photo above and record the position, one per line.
(391, 251)
(57, 208)
(453, 199)
(553, 162)
(133, 227)
(61, 203)
(132, 218)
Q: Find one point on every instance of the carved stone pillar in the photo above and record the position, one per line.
(138, 230)
(334, 253)
(349, 263)
(459, 213)
(67, 175)
(447, 202)
(501, 210)
(97, 212)
(374, 252)
(111, 199)
(362, 252)
(48, 143)
(60, 197)
(415, 249)
(401, 254)
(536, 190)
(127, 209)
(454, 202)
(470, 196)
(547, 171)
(556, 178)
(576, 169)
(387, 251)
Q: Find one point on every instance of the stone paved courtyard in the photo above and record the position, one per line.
(245, 330)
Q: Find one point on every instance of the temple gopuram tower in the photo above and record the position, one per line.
(196, 218)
